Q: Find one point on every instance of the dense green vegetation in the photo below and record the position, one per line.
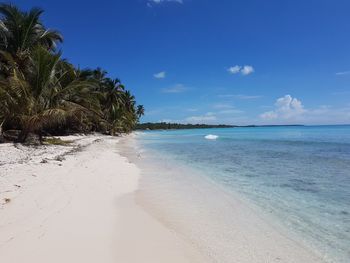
(41, 93)
(170, 126)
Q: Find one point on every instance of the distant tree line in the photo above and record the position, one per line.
(178, 126)
(175, 126)
(41, 93)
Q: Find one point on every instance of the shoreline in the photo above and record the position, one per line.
(91, 206)
(79, 208)
(195, 207)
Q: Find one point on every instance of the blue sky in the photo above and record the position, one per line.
(216, 61)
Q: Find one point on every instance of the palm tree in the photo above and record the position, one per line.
(40, 92)
(20, 33)
(140, 111)
(46, 97)
(129, 111)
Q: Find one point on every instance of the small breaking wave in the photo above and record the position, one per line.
(211, 137)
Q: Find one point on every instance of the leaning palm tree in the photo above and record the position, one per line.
(140, 111)
(129, 118)
(47, 96)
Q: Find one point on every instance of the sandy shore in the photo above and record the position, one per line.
(76, 204)
(81, 203)
(225, 227)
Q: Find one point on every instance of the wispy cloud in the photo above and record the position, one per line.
(209, 117)
(231, 111)
(240, 96)
(247, 97)
(345, 92)
(216, 116)
(244, 70)
(225, 108)
(160, 75)
(343, 73)
(222, 106)
(178, 88)
(224, 115)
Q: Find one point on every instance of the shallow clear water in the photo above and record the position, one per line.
(301, 175)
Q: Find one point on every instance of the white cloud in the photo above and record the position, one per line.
(244, 70)
(343, 73)
(160, 75)
(289, 110)
(234, 70)
(286, 108)
(269, 115)
(178, 88)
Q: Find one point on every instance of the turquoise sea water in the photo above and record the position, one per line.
(301, 175)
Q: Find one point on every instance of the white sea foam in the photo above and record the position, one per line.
(211, 137)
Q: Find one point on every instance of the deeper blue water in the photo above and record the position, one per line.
(301, 175)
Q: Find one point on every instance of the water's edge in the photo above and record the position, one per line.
(158, 198)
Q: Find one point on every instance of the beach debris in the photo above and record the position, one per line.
(57, 141)
(59, 158)
(7, 200)
(43, 161)
(211, 137)
(18, 186)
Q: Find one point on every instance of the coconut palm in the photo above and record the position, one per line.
(129, 117)
(46, 97)
(21, 31)
(40, 92)
(140, 111)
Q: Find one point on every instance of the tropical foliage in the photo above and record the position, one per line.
(41, 93)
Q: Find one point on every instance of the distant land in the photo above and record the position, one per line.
(181, 126)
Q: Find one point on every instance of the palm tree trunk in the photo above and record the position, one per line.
(22, 137)
(40, 137)
(2, 139)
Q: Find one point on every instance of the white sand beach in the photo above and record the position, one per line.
(77, 203)
(80, 209)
